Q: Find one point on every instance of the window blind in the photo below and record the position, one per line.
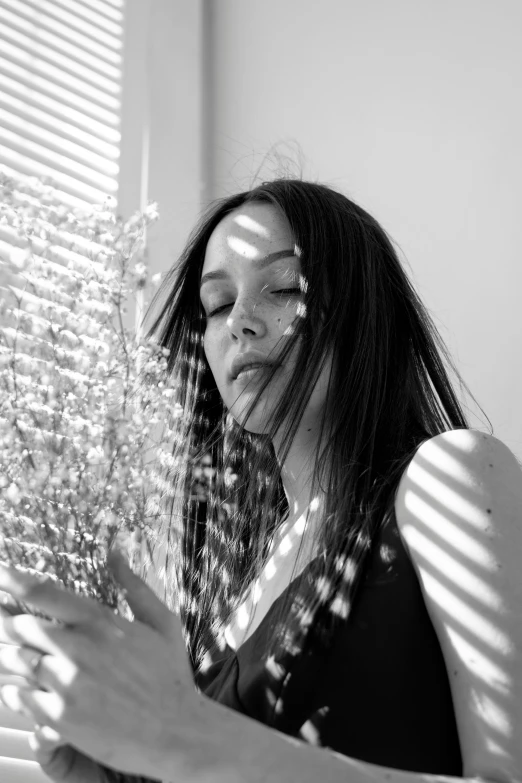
(60, 85)
(60, 112)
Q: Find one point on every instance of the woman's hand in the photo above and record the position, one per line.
(119, 692)
(61, 763)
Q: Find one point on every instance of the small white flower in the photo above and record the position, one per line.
(140, 268)
(19, 257)
(151, 211)
(13, 494)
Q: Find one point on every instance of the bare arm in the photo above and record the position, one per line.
(251, 752)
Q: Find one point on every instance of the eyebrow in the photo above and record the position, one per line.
(260, 263)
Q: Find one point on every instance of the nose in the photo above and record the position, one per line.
(244, 320)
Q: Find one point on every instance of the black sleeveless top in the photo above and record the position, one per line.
(380, 693)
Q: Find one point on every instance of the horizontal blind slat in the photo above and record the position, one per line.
(26, 57)
(82, 194)
(77, 178)
(104, 14)
(66, 17)
(13, 720)
(65, 197)
(21, 82)
(21, 24)
(105, 55)
(52, 148)
(109, 9)
(14, 744)
(79, 166)
(21, 771)
(68, 97)
(64, 131)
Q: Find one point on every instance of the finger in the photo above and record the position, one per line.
(145, 604)
(52, 673)
(48, 596)
(10, 696)
(44, 751)
(8, 605)
(42, 635)
(44, 740)
(15, 668)
(13, 660)
(40, 707)
(15, 679)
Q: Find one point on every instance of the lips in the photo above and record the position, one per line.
(248, 360)
(251, 367)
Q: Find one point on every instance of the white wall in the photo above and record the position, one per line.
(413, 109)
(162, 145)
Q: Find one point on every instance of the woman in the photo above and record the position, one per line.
(340, 545)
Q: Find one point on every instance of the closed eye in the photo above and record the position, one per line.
(280, 292)
(288, 292)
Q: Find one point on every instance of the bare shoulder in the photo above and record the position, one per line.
(459, 512)
(459, 461)
(471, 442)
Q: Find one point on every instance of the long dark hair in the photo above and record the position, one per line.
(389, 391)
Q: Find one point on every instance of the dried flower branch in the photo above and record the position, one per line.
(79, 394)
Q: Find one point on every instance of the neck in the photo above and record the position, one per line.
(296, 477)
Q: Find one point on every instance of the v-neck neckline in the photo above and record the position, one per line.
(271, 608)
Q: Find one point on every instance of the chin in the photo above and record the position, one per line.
(257, 423)
(253, 424)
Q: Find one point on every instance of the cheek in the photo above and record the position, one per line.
(284, 320)
(212, 354)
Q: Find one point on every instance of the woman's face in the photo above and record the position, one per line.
(251, 298)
